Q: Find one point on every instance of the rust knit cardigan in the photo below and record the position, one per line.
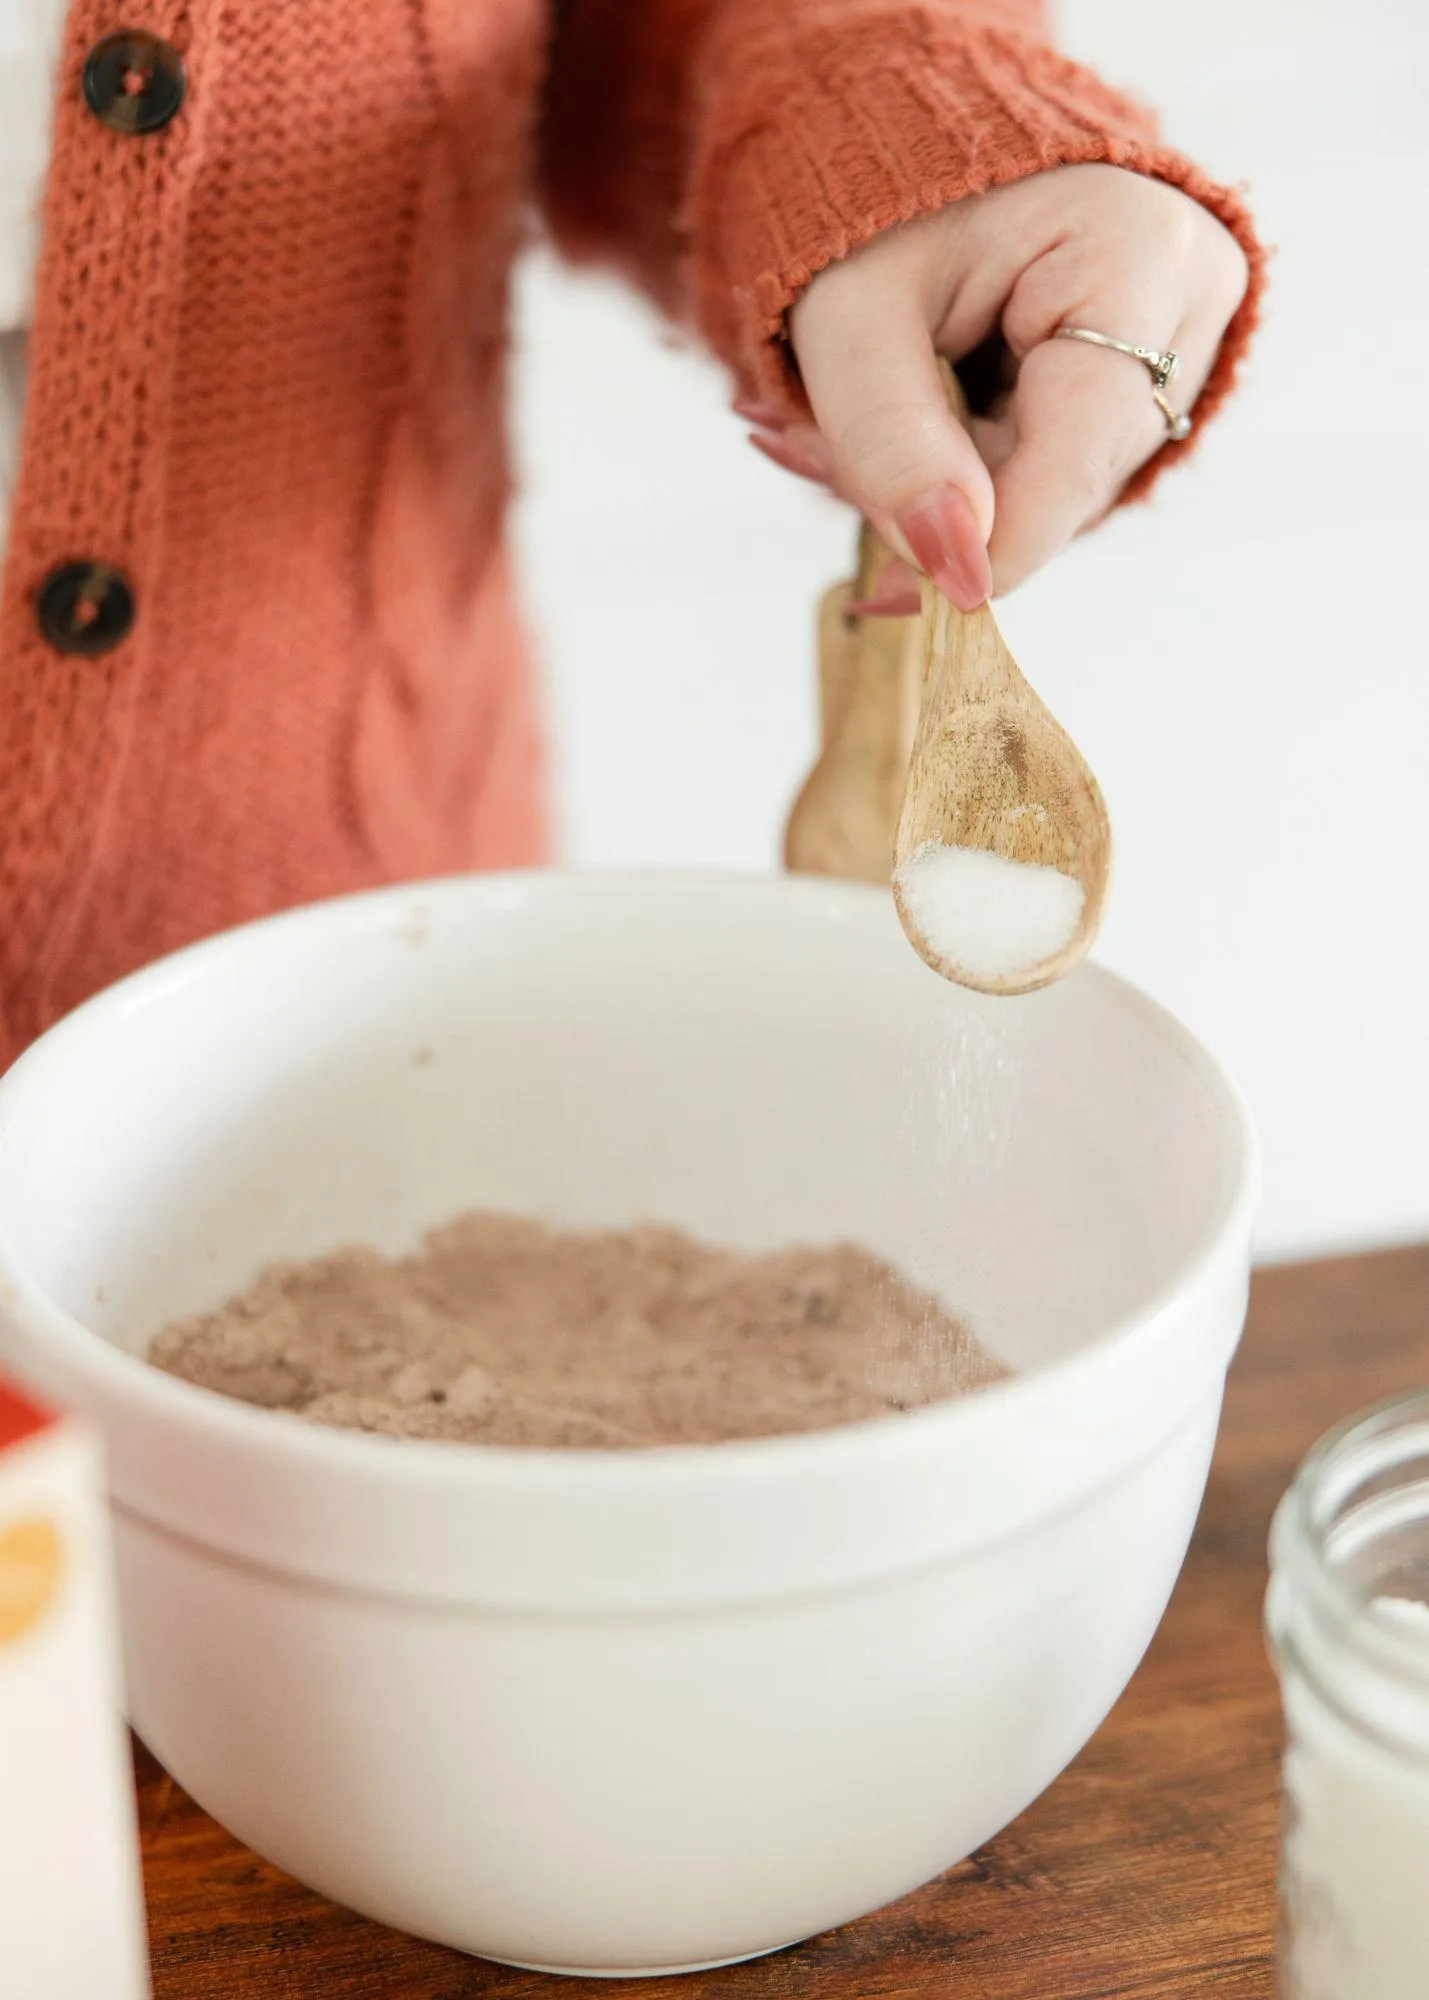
(267, 378)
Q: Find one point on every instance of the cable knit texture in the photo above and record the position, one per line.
(267, 381)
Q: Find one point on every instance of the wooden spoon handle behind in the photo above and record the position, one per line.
(845, 819)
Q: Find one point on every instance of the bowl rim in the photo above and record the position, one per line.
(135, 1381)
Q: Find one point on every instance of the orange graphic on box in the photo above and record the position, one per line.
(31, 1559)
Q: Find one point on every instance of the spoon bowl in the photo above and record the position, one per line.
(993, 825)
(1003, 849)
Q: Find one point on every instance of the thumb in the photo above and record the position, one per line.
(898, 453)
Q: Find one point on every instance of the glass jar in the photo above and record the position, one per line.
(1348, 1618)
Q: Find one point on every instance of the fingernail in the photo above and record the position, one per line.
(897, 594)
(755, 410)
(793, 457)
(942, 532)
(886, 604)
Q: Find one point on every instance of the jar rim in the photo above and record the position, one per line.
(1319, 1496)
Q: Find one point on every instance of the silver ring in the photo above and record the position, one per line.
(1160, 366)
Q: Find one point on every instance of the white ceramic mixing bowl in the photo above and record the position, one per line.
(632, 1711)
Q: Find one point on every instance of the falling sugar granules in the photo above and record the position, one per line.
(503, 1331)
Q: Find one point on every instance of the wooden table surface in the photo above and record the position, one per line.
(1146, 1872)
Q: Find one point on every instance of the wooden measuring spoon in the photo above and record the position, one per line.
(1003, 850)
(934, 748)
(844, 820)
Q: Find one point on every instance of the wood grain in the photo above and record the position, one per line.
(1146, 1873)
(844, 819)
(993, 769)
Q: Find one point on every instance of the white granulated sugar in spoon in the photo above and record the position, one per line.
(989, 916)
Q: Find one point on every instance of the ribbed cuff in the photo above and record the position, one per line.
(837, 122)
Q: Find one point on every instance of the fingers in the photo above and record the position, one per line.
(1092, 245)
(800, 449)
(897, 595)
(1148, 265)
(1082, 420)
(801, 452)
(871, 377)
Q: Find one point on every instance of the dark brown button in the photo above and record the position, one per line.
(85, 607)
(133, 82)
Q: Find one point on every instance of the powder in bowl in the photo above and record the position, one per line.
(499, 1330)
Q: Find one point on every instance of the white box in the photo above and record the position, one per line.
(71, 1905)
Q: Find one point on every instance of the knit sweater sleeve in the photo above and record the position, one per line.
(724, 151)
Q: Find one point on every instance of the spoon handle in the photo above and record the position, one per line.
(965, 645)
(844, 820)
(871, 682)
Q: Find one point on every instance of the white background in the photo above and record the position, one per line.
(1244, 661)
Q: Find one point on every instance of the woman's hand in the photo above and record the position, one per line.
(1094, 246)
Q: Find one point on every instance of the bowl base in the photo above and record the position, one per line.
(641, 1971)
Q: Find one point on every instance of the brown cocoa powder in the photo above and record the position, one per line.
(500, 1330)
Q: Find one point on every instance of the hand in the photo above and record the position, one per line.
(1095, 246)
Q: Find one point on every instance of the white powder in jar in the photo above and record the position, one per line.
(1355, 1872)
(990, 917)
(1405, 1613)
